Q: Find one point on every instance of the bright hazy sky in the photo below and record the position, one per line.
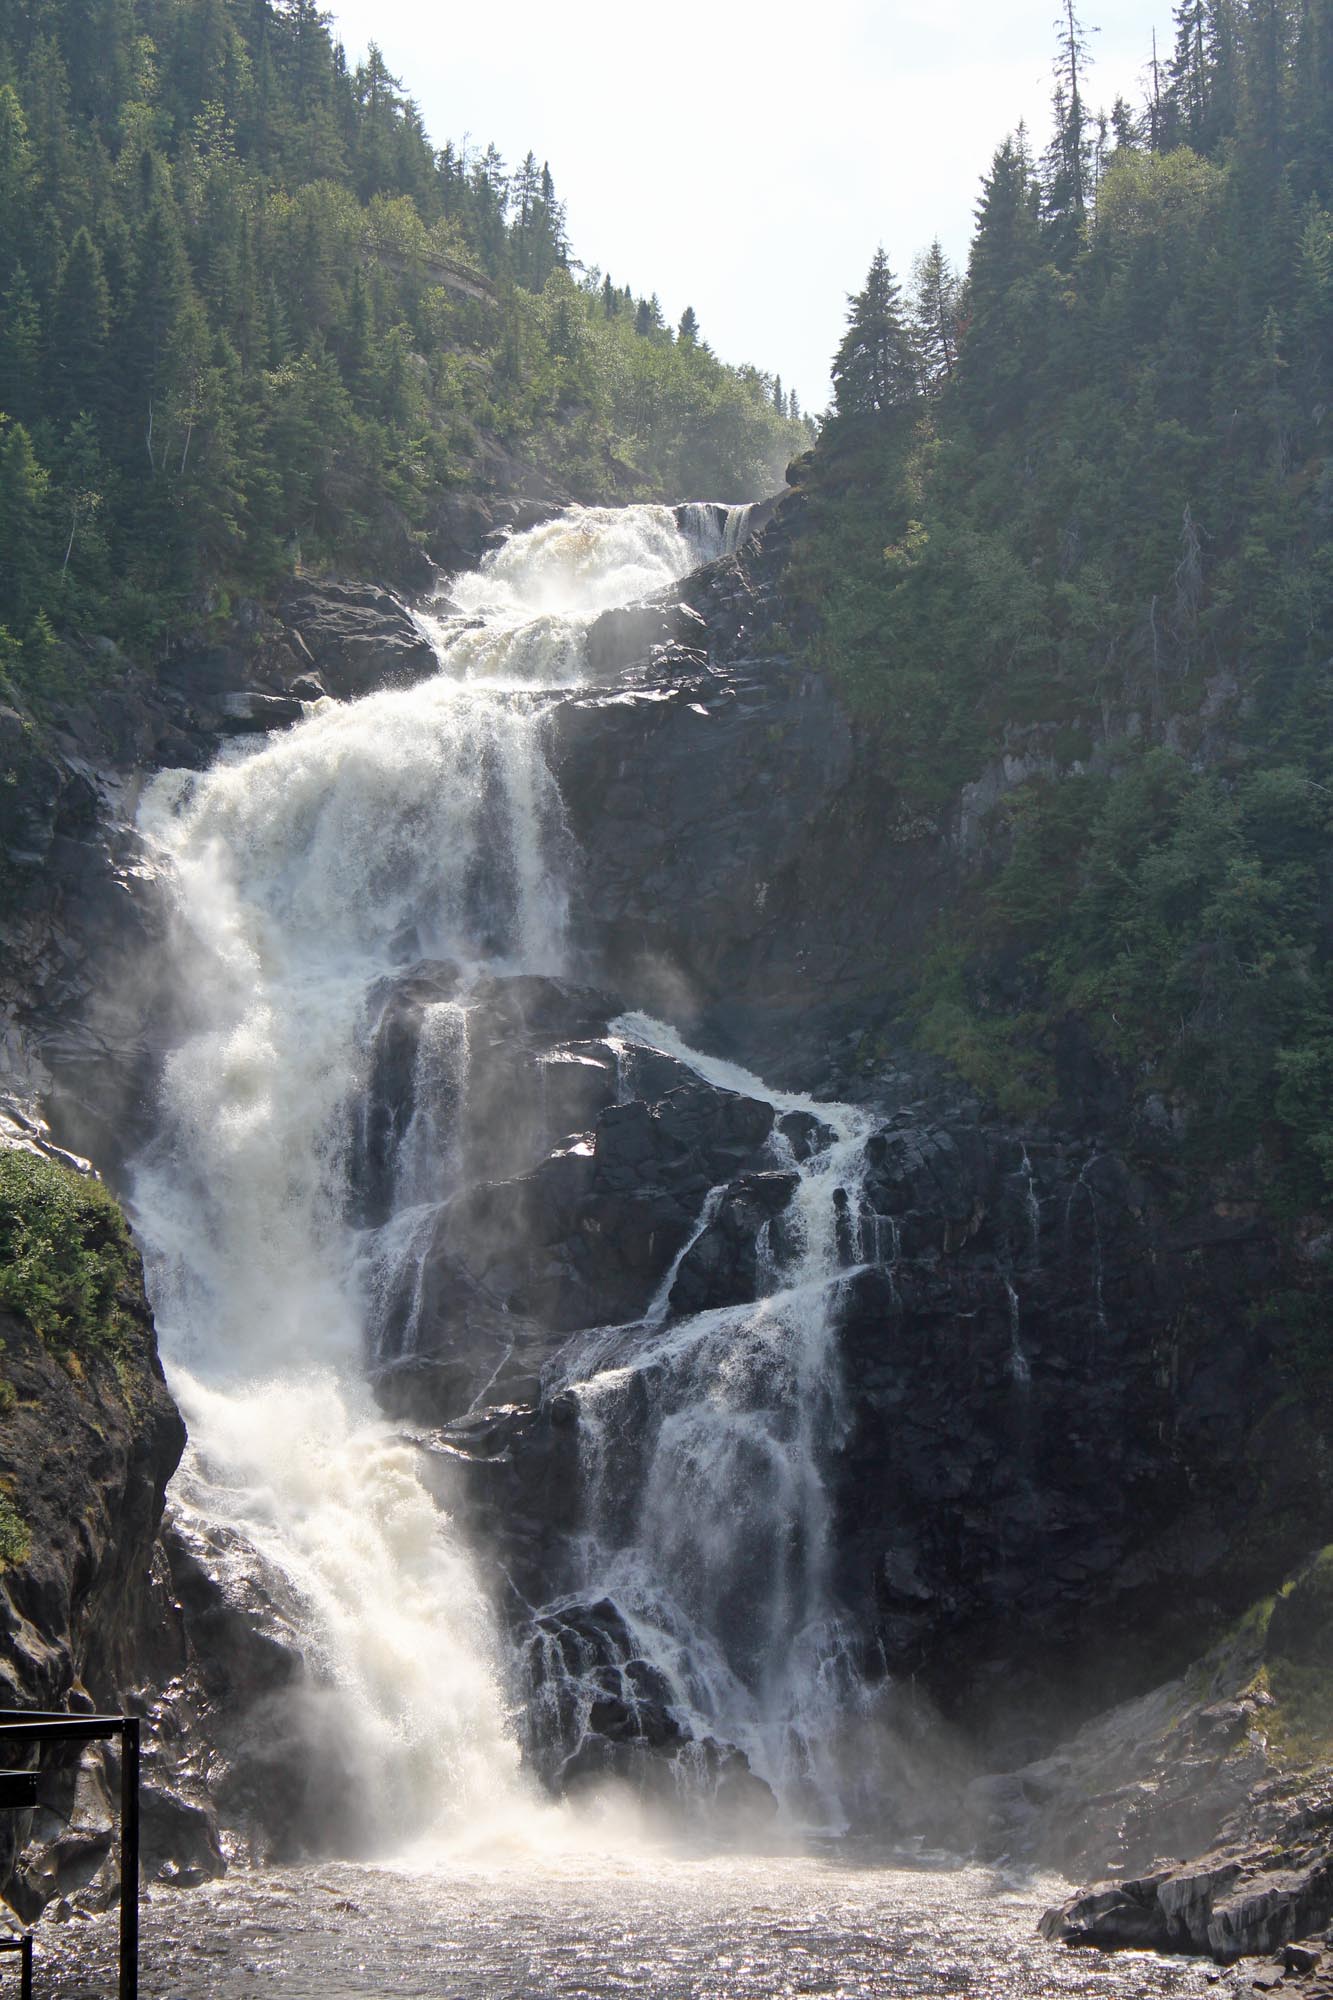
(746, 158)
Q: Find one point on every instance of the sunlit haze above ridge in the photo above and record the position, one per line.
(746, 159)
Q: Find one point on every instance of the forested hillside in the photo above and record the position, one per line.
(251, 319)
(1072, 530)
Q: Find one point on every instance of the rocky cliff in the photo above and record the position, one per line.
(1074, 1447)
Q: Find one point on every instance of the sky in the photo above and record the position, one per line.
(746, 157)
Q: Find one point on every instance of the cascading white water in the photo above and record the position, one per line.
(416, 823)
(723, 1573)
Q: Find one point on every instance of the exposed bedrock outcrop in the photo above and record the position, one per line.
(1206, 1802)
(1069, 1450)
(725, 778)
(89, 1437)
(565, 1206)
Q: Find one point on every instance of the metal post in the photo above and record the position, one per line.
(129, 1858)
(25, 1966)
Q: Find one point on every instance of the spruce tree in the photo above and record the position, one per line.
(80, 320)
(875, 367)
(20, 350)
(15, 179)
(1069, 162)
(934, 316)
(24, 532)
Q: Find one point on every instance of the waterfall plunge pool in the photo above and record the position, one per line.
(676, 1926)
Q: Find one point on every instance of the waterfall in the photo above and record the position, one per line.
(424, 828)
(715, 528)
(722, 1575)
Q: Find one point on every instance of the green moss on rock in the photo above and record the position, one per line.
(67, 1264)
(15, 1535)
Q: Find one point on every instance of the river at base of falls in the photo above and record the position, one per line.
(673, 1925)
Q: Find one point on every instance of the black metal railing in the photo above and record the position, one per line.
(41, 1726)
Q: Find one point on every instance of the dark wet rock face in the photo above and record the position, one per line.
(88, 1441)
(724, 776)
(1052, 1472)
(519, 1255)
(357, 638)
(599, 1710)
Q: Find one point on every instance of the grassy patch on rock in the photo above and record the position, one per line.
(1298, 1664)
(67, 1264)
(15, 1535)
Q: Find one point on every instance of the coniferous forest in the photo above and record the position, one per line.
(1074, 503)
(252, 319)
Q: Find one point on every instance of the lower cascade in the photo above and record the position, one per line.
(409, 1160)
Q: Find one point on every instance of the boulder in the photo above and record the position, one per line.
(358, 637)
(722, 1265)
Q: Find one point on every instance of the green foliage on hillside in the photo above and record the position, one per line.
(1094, 527)
(249, 317)
(15, 1535)
(67, 1264)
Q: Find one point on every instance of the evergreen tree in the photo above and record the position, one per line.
(648, 321)
(20, 350)
(80, 481)
(80, 322)
(25, 571)
(1124, 127)
(15, 178)
(150, 334)
(1223, 69)
(688, 331)
(1264, 31)
(1187, 88)
(934, 316)
(1070, 168)
(875, 368)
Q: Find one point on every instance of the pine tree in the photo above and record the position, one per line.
(24, 533)
(648, 320)
(15, 178)
(162, 294)
(1007, 313)
(688, 331)
(1223, 68)
(1006, 246)
(934, 316)
(875, 367)
(1069, 161)
(80, 477)
(20, 350)
(1314, 96)
(1187, 88)
(50, 133)
(80, 321)
(1124, 127)
(1264, 30)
